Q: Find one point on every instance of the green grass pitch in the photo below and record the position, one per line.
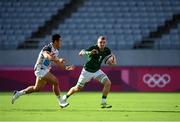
(85, 106)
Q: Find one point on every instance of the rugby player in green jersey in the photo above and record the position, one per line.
(91, 70)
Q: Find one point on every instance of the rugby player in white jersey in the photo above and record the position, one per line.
(48, 55)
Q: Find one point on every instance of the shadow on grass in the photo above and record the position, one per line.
(86, 110)
(34, 110)
(110, 110)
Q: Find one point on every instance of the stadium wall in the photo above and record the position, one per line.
(141, 79)
(137, 70)
(124, 57)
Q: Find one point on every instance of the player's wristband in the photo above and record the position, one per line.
(84, 52)
(87, 52)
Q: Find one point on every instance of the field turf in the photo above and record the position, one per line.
(85, 106)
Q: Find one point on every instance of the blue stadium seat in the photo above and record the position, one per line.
(124, 21)
(21, 18)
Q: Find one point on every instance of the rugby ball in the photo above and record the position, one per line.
(110, 59)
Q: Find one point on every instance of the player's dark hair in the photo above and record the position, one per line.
(102, 38)
(55, 37)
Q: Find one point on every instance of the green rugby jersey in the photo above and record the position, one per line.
(93, 63)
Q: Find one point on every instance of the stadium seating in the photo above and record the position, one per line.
(19, 18)
(170, 41)
(124, 22)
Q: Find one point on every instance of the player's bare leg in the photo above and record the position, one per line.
(40, 83)
(71, 91)
(107, 86)
(105, 91)
(50, 78)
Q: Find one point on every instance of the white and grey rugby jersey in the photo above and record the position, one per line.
(42, 62)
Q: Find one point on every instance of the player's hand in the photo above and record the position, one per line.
(94, 51)
(82, 52)
(71, 67)
(62, 60)
(49, 56)
(113, 62)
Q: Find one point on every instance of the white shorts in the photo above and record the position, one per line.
(39, 72)
(87, 76)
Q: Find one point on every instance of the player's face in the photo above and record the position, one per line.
(101, 43)
(57, 43)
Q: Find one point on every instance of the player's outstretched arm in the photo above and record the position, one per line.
(61, 63)
(58, 61)
(84, 52)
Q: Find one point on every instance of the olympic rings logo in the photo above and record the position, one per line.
(156, 80)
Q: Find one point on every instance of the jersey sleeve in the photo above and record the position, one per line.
(47, 48)
(90, 48)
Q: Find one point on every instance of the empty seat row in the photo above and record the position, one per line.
(19, 18)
